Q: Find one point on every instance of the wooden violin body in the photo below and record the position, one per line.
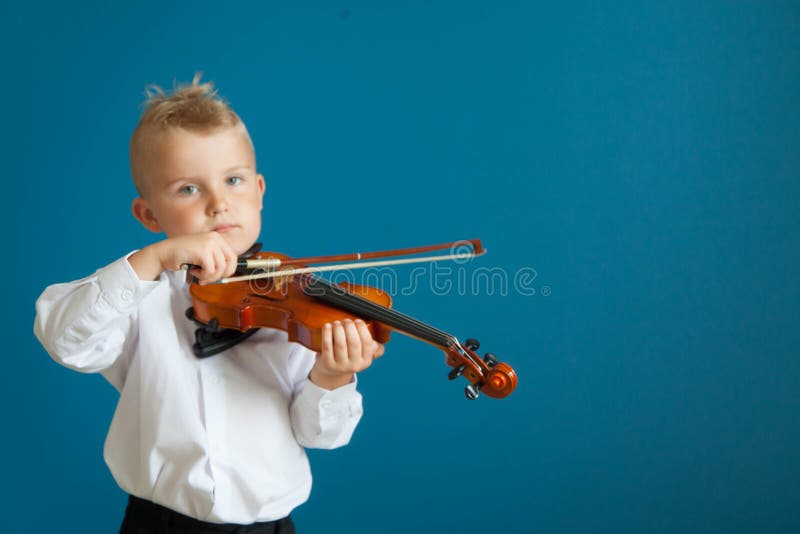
(301, 304)
(282, 304)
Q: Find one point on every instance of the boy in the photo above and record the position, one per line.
(201, 445)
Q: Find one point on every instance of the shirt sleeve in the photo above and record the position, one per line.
(88, 324)
(321, 418)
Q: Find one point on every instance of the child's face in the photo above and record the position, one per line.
(202, 182)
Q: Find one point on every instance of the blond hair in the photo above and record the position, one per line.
(196, 107)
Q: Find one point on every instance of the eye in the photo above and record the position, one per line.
(235, 180)
(187, 190)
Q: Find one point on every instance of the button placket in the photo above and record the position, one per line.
(214, 406)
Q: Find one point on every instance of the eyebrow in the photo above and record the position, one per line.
(192, 178)
(237, 167)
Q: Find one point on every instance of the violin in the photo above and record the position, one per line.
(273, 290)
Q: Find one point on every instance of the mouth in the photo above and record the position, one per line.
(224, 228)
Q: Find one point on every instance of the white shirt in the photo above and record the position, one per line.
(219, 439)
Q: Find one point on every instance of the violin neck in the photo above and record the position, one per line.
(323, 290)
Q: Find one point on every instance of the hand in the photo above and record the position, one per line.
(347, 348)
(210, 251)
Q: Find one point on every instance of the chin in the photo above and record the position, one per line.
(242, 245)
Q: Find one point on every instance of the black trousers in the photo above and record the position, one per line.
(145, 517)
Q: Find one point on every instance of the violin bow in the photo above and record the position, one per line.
(271, 265)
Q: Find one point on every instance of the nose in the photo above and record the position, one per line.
(217, 202)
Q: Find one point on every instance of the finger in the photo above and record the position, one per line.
(367, 343)
(218, 263)
(225, 255)
(354, 347)
(207, 266)
(222, 261)
(326, 354)
(208, 249)
(232, 260)
(339, 343)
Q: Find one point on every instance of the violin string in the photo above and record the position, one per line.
(375, 311)
(399, 321)
(396, 320)
(407, 324)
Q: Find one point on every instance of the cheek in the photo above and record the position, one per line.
(182, 219)
(251, 203)
(254, 215)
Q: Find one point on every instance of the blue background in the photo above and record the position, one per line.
(644, 159)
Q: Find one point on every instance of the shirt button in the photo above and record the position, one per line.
(215, 379)
(326, 404)
(126, 294)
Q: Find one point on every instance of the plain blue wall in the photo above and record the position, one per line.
(644, 159)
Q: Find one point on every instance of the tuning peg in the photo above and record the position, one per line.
(490, 359)
(472, 344)
(456, 372)
(472, 391)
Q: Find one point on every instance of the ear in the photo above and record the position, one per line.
(141, 210)
(262, 187)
